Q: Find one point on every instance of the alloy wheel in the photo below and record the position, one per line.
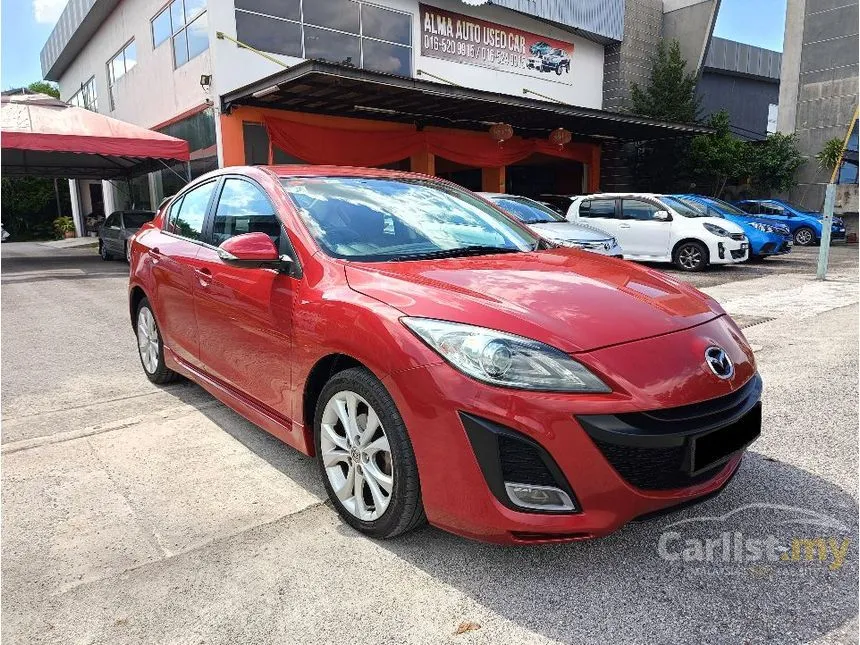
(356, 456)
(690, 257)
(803, 237)
(147, 340)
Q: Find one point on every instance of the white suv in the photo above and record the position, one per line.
(660, 228)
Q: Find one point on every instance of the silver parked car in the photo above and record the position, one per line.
(117, 230)
(552, 226)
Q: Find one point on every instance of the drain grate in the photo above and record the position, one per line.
(748, 321)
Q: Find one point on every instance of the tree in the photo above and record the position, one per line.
(772, 163)
(830, 154)
(44, 87)
(719, 157)
(670, 94)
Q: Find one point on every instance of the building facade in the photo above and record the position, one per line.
(819, 91)
(198, 69)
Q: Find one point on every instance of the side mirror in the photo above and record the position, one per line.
(250, 250)
(662, 216)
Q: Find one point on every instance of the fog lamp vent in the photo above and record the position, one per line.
(545, 498)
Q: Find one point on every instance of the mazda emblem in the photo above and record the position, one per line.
(719, 362)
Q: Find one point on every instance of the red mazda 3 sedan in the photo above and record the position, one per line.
(440, 361)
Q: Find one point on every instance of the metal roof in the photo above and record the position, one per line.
(326, 88)
(743, 60)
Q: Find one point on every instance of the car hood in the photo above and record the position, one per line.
(730, 226)
(749, 219)
(574, 300)
(568, 231)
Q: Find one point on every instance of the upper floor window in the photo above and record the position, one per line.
(117, 67)
(86, 96)
(184, 22)
(349, 32)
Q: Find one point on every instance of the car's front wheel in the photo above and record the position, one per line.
(104, 254)
(365, 456)
(150, 346)
(691, 256)
(804, 236)
(127, 251)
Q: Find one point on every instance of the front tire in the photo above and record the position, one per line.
(559, 69)
(104, 254)
(691, 256)
(804, 236)
(127, 248)
(365, 456)
(150, 347)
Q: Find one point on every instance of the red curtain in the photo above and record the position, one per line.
(345, 147)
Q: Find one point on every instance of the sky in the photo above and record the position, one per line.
(26, 25)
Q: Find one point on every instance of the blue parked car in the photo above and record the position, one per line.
(805, 225)
(766, 236)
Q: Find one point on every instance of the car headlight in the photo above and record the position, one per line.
(716, 230)
(764, 228)
(504, 359)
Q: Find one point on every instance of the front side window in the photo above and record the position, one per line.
(188, 214)
(601, 208)
(637, 210)
(244, 208)
(373, 220)
(528, 211)
(349, 32)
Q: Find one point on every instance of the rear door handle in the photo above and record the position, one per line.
(204, 276)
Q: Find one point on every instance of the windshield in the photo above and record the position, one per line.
(136, 220)
(799, 209)
(726, 207)
(527, 210)
(376, 220)
(685, 208)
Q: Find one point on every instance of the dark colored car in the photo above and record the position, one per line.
(116, 231)
(441, 361)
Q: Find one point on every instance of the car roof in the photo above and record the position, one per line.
(613, 195)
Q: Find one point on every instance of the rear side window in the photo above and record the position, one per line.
(637, 209)
(244, 208)
(188, 214)
(604, 208)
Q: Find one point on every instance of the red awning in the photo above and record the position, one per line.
(46, 137)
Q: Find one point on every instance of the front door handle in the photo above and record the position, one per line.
(155, 255)
(624, 226)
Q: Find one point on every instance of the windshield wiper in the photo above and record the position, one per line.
(455, 253)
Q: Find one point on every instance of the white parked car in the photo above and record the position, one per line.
(551, 226)
(660, 228)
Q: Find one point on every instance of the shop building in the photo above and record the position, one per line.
(394, 83)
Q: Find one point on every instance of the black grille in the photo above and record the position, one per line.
(522, 464)
(654, 450)
(767, 248)
(737, 253)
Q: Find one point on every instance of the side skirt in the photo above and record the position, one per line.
(275, 424)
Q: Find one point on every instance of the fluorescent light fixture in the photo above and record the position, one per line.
(265, 92)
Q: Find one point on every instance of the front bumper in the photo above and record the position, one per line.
(727, 250)
(460, 496)
(765, 244)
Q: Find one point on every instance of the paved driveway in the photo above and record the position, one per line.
(133, 513)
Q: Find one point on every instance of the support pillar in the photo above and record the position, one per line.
(232, 150)
(493, 180)
(593, 170)
(423, 162)
(77, 214)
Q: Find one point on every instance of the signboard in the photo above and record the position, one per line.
(471, 41)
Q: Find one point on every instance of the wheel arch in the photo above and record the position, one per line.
(685, 240)
(134, 297)
(318, 376)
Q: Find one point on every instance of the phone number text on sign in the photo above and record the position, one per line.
(472, 41)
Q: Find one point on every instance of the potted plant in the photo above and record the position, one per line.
(64, 227)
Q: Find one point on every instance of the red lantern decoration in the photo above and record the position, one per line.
(501, 132)
(559, 137)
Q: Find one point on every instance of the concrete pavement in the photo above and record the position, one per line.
(137, 514)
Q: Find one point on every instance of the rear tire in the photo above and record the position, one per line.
(691, 256)
(365, 450)
(150, 347)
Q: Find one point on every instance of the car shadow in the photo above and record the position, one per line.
(619, 588)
